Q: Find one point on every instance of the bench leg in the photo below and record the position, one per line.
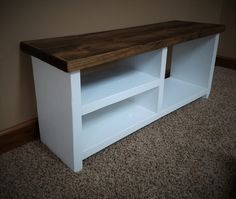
(58, 97)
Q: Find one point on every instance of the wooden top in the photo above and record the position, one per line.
(78, 52)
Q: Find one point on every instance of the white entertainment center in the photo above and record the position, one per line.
(81, 112)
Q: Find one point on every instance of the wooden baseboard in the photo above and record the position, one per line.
(19, 135)
(226, 62)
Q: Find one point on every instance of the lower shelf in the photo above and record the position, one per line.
(178, 93)
(108, 125)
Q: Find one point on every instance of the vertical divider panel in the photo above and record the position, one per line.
(59, 111)
(76, 108)
(212, 65)
(162, 77)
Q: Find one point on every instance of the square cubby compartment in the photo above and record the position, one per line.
(192, 65)
(107, 125)
(119, 80)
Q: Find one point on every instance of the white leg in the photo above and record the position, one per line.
(59, 105)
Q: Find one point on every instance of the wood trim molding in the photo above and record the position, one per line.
(226, 62)
(18, 135)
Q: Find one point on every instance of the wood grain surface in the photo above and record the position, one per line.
(78, 52)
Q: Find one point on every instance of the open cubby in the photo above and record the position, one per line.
(120, 99)
(190, 73)
(107, 125)
(120, 80)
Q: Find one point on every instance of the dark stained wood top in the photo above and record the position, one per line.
(78, 52)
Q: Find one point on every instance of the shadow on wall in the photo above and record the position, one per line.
(26, 81)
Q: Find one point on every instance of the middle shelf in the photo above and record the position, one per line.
(102, 88)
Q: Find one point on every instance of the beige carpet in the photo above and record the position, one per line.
(190, 153)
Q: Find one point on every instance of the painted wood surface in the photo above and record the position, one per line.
(82, 112)
(59, 111)
(74, 53)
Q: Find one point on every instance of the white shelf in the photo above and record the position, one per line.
(178, 93)
(106, 126)
(106, 87)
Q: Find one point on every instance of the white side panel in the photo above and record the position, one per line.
(192, 61)
(58, 111)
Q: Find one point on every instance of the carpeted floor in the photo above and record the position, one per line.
(190, 153)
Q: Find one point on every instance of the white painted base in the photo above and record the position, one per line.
(82, 113)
